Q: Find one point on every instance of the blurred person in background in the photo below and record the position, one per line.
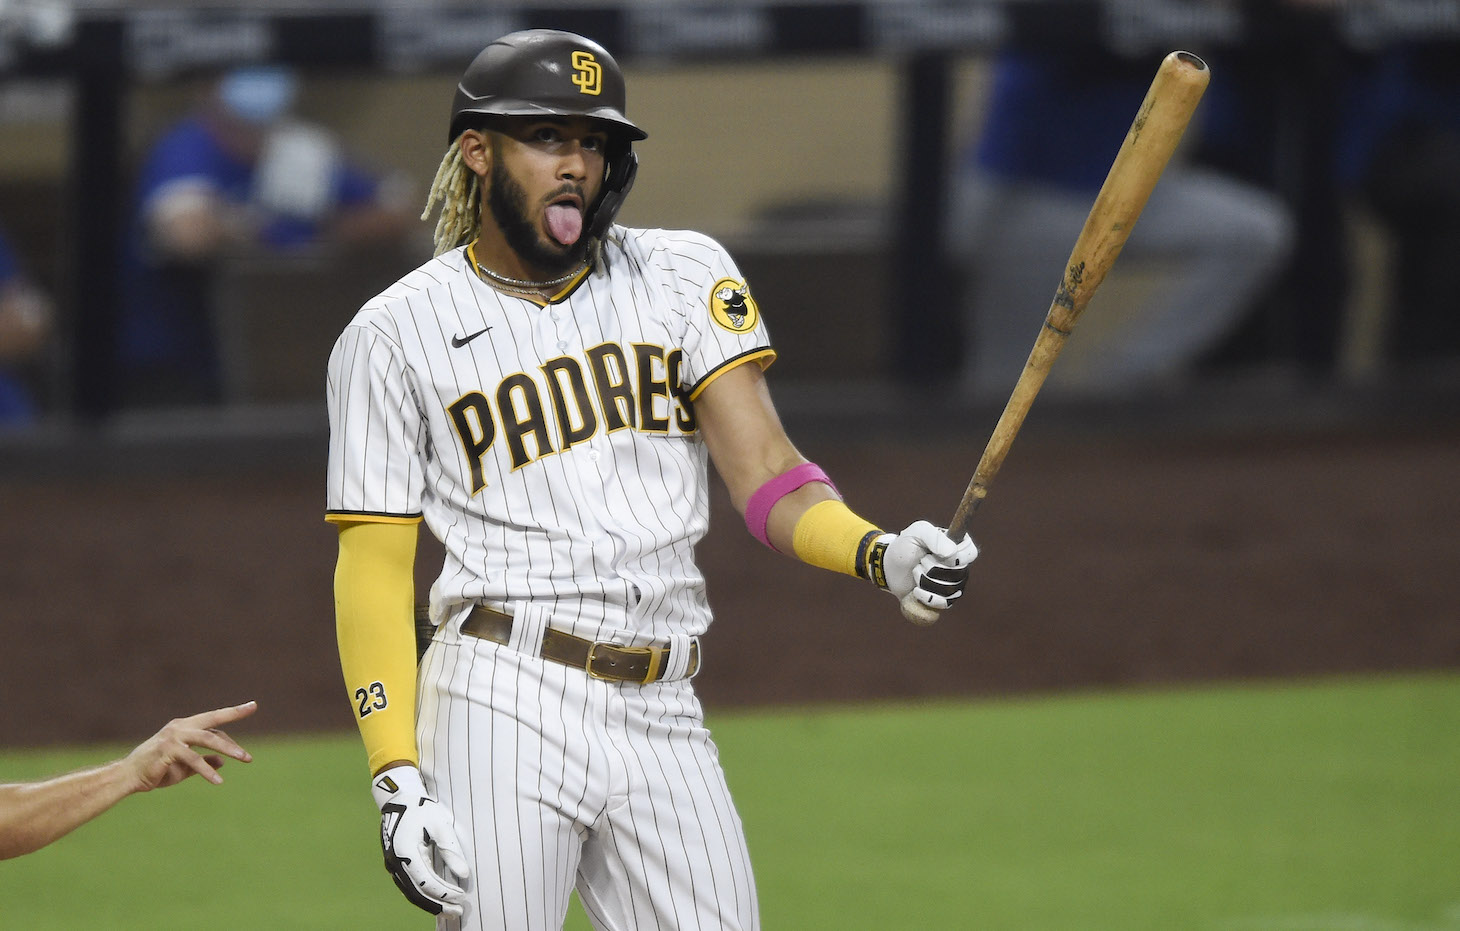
(34, 814)
(238, 173)
(26, 317)
(1206, 243)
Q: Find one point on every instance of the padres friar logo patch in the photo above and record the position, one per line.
(732, 307)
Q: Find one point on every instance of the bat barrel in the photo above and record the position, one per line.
(1153, 137)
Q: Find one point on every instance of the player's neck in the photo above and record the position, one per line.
(504, 270)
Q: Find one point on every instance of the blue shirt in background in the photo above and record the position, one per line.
(1057, 119)
(166, 321)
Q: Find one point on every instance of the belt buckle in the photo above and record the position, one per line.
(632, 651)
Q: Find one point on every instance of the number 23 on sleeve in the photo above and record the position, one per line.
(371, 698)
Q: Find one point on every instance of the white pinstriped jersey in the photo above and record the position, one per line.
(552, 450)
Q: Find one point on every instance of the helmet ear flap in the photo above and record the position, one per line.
(622, 169)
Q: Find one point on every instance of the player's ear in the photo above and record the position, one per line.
(476, 152)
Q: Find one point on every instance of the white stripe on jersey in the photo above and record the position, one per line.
(551, 449)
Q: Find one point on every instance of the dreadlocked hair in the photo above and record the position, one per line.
(457, 188)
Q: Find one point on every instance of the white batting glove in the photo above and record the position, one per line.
(411, 824)
(923, 561)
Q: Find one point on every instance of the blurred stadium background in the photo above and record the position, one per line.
(1285, 509)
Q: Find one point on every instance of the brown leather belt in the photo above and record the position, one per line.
(599, 659)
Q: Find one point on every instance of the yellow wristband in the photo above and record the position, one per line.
(831, 536)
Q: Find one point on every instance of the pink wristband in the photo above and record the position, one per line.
(758, 508)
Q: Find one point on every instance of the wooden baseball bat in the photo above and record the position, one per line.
(1153, 136)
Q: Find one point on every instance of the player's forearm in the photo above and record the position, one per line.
(788, 503)
(374, 626)
(785, 516)
(33, 815)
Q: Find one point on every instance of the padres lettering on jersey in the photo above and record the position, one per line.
(627, 393)
(540, 443)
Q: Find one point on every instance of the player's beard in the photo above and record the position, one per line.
(508, 203)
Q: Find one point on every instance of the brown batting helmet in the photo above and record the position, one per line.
(549, 72)
(541, 72)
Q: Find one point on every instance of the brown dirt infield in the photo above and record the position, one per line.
(1108, 560)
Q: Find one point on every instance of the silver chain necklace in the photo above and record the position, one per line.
(522, 286)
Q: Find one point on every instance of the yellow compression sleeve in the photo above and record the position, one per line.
(375, 627)
(831, 536)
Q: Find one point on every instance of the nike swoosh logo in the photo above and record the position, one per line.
(458, 341)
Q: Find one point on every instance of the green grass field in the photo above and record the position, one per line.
(1328, 806)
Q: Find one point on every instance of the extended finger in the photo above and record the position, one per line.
(194, 761)
(219, 716)
(214, 739)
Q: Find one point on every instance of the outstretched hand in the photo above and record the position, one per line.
(170, 755)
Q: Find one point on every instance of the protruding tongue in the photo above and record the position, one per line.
(565, 223)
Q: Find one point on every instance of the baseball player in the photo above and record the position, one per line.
(546, 394)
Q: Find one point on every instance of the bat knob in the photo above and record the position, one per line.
(917, 612)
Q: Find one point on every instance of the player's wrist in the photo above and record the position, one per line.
(384, 767)
(872, 557)
(123, 777)
(398, 779)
